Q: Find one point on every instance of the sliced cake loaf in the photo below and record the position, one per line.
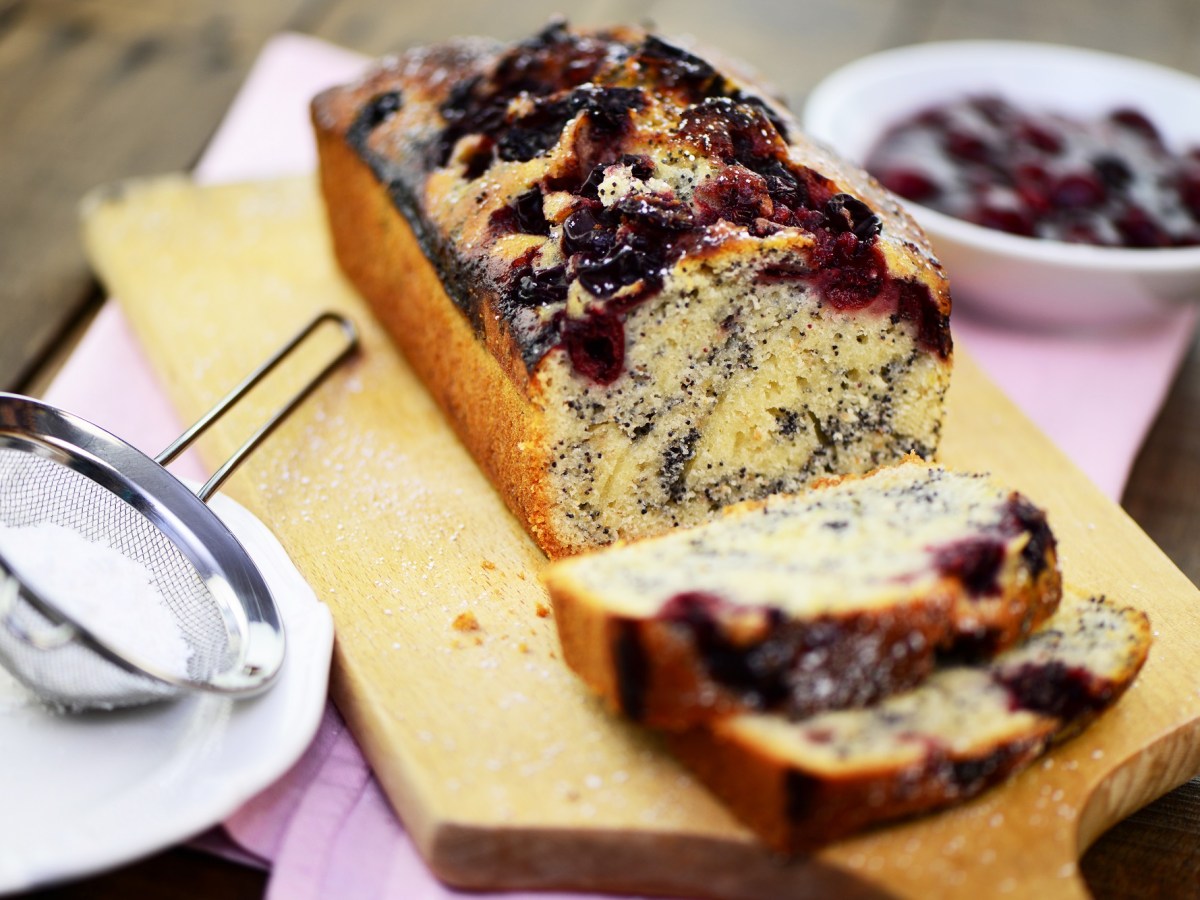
(825, 600)
(800, 784)
(638, 292)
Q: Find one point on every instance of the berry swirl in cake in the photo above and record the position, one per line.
(637, 291)
(803, 783)
(829, 599)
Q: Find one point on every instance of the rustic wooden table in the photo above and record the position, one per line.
(96, 90)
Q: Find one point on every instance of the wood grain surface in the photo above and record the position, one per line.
(95, 90)
(505, 772)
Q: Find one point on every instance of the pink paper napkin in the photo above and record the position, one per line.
(1095, 396)
(325, 828)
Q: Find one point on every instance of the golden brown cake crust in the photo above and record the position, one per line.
(455, 177)
(493, 419)
(836, 807)
(800, 785)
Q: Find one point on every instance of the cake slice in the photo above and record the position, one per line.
(637, 291)
(801, 784)
(825, 600)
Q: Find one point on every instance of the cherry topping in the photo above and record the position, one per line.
(963, 145)
(591, 184)
(694, 605)
(539, 287)
(583, 234)
(1113, 171)
(523, 215)
(1022, 516)
(619, 250)
(847, 213)
(1078, 190)
(552, 62)
(736, 195)
(910, 183)
(1139, 229)
(1109, 181)
(732, 131)
(480, 159)
(679, 69)
(641, 166)
(604, 277)
(993, 109)
(1004, 218)
(538, 130)
(1189, 191)
(851, 273)
(596, 345)
(1040, 135)
(530, 216)
(915, 304)
(974, 561)
(782, 184)
(1137, 122)
(1056, 689)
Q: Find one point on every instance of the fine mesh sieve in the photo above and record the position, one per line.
(59, 469)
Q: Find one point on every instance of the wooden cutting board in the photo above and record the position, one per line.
(505, 772)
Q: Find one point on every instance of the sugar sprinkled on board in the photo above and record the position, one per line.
(108, 593)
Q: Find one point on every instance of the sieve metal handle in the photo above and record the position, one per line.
(182, 442)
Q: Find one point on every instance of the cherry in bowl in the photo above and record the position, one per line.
(1033, 169)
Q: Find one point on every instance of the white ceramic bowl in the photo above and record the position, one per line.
(1028, 280)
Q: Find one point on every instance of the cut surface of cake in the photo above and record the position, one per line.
(823, 600)
(636, 290)
(801, 784)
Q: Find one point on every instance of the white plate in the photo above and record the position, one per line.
(79, 794)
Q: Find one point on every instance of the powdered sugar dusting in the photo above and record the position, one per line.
(103, 590)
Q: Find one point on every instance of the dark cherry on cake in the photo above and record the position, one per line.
(620, 252)
(1110, 181)
(673, 300)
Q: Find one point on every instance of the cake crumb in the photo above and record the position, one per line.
(466, 621)
(488, 564)
(542, 610)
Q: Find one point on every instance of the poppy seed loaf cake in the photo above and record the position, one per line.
(637, 291)
(801, 784)
(824, 600)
